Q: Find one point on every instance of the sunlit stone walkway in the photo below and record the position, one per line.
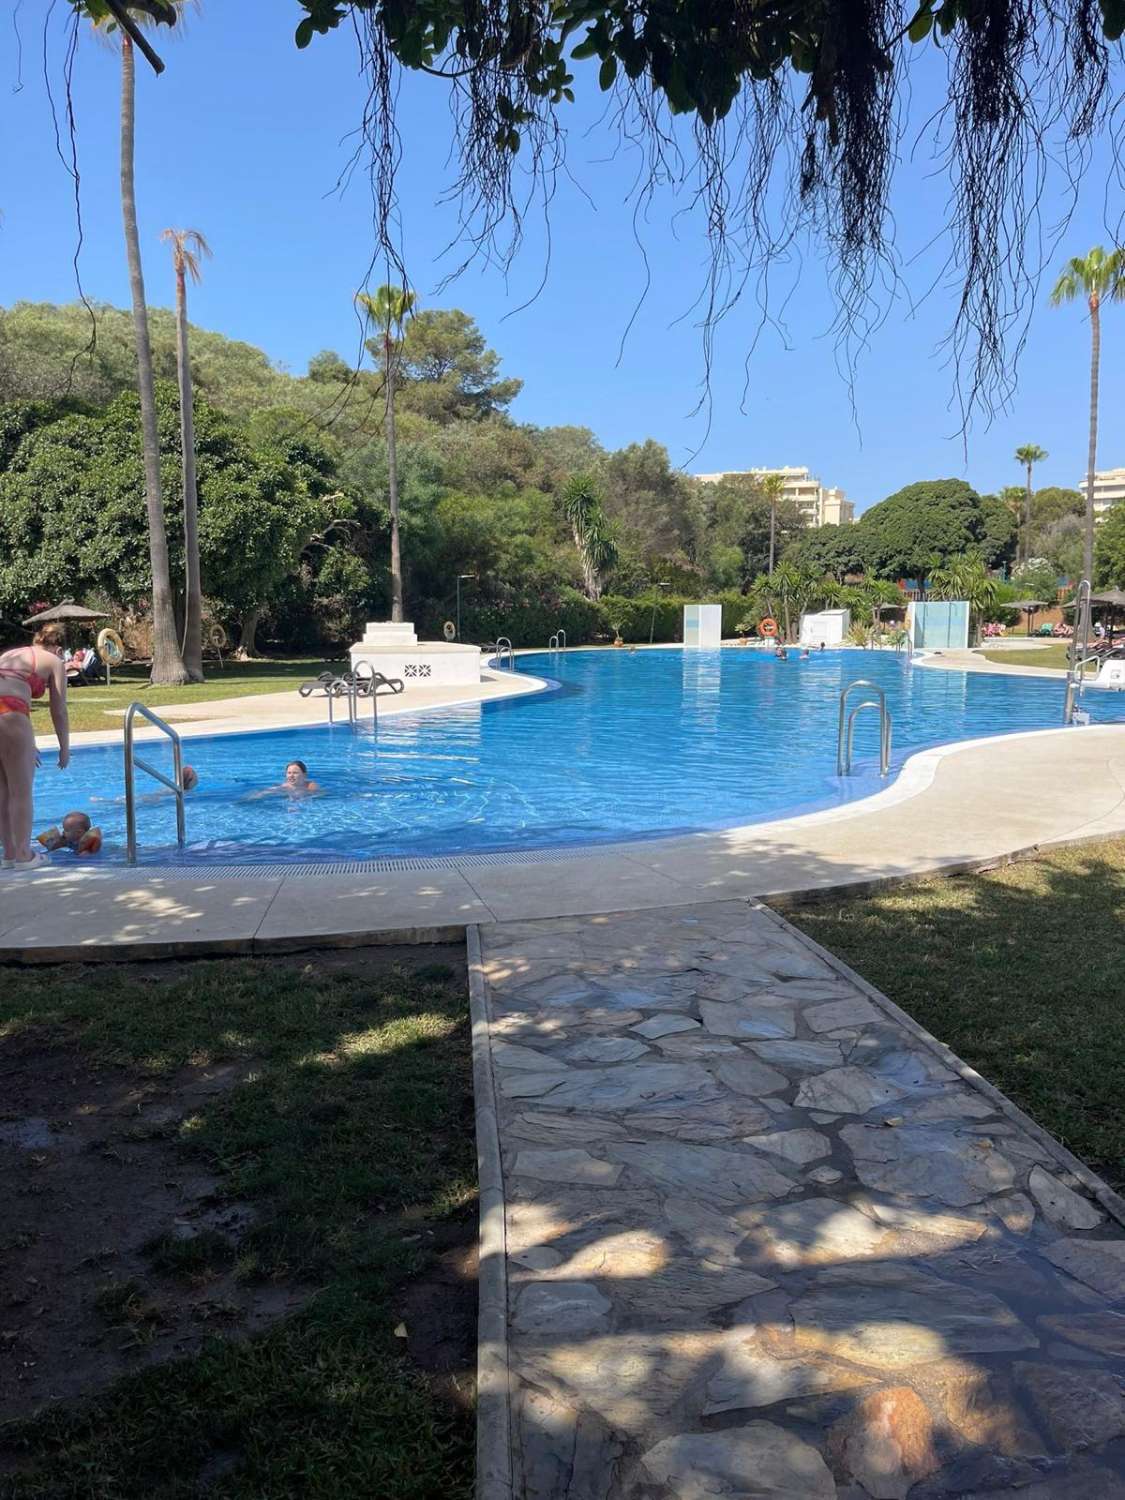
(764, 1240)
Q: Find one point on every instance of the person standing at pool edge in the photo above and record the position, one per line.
(27, 672)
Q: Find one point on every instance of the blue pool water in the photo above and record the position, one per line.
(630, 745)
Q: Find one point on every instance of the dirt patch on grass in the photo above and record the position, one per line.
(439, 1311)
(99, 1197)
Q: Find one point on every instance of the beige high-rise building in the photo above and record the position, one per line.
(819, 504)
(1109, 490)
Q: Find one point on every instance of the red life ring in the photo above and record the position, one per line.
(768, 626)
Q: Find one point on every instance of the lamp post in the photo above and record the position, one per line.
(652, 620)
(460, 577)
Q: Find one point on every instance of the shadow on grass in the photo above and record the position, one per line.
(347, 1131)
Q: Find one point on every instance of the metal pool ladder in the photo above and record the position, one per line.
(504, 648)
(133, 760)
(557, 641)
(846, 740)
(1079, 646)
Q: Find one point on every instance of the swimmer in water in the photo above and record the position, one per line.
(296, 783)
(76, 833)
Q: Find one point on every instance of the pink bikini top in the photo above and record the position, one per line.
(36, 685)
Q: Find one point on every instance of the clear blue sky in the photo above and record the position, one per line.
(244, 137)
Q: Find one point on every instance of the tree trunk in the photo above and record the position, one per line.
(248, 643)
(1092, 457)
(392, 485)
(773, 530)
(1027, 521)
(193, 602)
(167, 662)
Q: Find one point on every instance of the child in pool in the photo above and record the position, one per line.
(76, 834)
(296, 783)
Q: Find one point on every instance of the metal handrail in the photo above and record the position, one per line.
(132, 760)
(561, 636)
(504, 648)
(553, 642)
(846, 741)
(1079, 651)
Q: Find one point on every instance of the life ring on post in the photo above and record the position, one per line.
(449, 630)
(111, 648)
(768, 626)
(217, 637)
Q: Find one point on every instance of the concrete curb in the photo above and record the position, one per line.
(494, 1413)
(1112, 1202)
(240, 947)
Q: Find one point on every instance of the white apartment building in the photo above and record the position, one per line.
(819, 505)
(1109, 490)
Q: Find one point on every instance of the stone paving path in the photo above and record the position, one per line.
(763, 1242)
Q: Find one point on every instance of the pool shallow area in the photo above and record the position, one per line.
(624, 745)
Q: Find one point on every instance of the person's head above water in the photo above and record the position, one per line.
(75, 825)
(296, 773)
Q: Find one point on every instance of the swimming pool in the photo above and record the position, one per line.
(628, 745)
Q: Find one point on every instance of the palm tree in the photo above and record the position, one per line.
(121, 17)
(1029, 455)
(188, 247)
(1098, 276)
(388, 309)
(773, 484)
(594, 536)
(966, 578)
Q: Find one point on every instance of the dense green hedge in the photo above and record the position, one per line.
(533, 622)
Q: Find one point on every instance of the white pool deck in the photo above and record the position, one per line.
(952, 808)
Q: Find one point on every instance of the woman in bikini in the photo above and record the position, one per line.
(27, 672)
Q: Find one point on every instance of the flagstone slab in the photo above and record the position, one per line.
(566, 1307)
(1062, 1205)
(800, 1146)
(665, 1025)
(891, 1317)
(645, 1085)
(1098, 1263)
(928, 1162)
(847, 1090)
(760, 1461)
(606, 1049)
(854, 1010)
(800, 1056)
(717, 1176)
(763, 1023)
(565, 1166)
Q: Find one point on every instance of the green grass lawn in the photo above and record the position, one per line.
(351, 1138)
(1054, 655)
(1019, 971)
(236, 679)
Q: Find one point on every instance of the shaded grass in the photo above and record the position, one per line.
(1019, 971)
(350, 1134)
(89, 707)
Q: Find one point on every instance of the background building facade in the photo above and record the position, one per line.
(818, 504)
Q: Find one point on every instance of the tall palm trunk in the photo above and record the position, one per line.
(773, 530)
(193, 603)
(1025, 549)
(167, 662)
(1092, 457)
(392, 484)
